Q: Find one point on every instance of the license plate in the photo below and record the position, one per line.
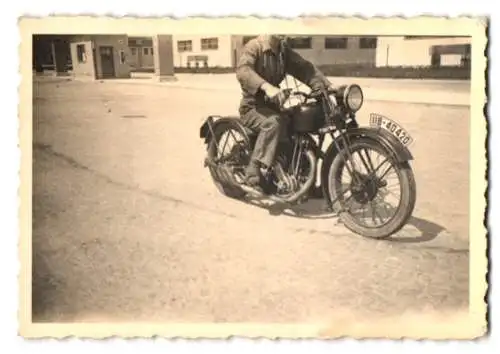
(380, 121)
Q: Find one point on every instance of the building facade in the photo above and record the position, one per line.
(84, 56)
(423, 51)
(51, 53)
(100, 56)
(203, 51)
(141, 54)
(109, 56)
(224, 51)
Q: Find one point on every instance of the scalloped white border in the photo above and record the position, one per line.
(370, 8)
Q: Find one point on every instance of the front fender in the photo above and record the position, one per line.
(398, 151)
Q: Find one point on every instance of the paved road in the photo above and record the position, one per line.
(442, 92)
(127, 225)
(434, 85)
(448, 92)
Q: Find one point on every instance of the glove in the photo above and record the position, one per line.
(333, 99)
(275, 94)
(270, 90)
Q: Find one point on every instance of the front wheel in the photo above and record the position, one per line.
(362, 182)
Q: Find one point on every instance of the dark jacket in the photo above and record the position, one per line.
(258, 64)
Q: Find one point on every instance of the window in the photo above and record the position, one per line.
(184, 46)
(80, 53)
(246, 39)
(209, 43)
(336, 43)
(133, 51)
(147, 51)
(123, 57)
(368, 43)
(300, 42)
(107, 51)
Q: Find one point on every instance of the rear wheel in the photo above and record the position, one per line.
(362, 189)
(230, 151)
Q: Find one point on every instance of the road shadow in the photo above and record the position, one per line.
(429, 230)
(314, 208)
(417, 230)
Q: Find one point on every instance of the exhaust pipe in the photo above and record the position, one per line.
(301, 192)
(255, 193)
(252, 191)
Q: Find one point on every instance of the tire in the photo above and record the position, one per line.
(225, 189)
(407, 199)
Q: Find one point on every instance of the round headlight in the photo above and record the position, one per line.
(353, 97)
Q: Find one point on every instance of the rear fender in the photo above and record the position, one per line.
(398, 151)
(212, 122)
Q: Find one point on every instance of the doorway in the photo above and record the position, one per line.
(107, 62)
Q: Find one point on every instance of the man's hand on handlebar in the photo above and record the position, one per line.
(328, 90)
(275, 94)
(270, 90)
(280, 96)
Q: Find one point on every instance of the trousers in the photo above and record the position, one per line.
(271, 129)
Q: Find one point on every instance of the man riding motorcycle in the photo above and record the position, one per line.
(263, 65)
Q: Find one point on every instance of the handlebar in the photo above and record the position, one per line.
(288, 94)
(312, 95)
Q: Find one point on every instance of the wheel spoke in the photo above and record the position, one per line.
(366, 194)
(224, 146)
(347, 189)
(391, 192)
(377, 214)
(367, 163)
(386, 172)
(373, 214)
(351, 202)
(370, 162)
(350, 170)
(386, 206)
(374, 173)
(356, 165)
(364, 212)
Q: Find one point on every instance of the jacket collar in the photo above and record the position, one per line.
(265, 41)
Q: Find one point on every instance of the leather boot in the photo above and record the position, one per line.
(252, 173)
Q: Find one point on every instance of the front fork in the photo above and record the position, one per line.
(341, 142)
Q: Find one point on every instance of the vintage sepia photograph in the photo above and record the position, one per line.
(295, 178)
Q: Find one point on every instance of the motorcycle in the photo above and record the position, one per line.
(380, 148)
